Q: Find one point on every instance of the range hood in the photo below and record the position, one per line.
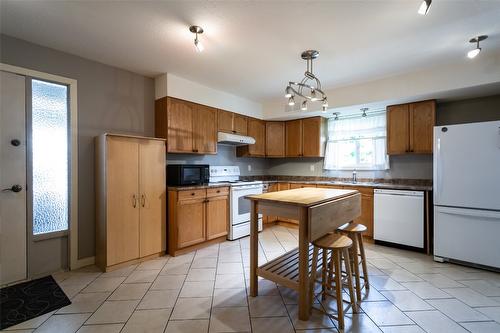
(234, 139)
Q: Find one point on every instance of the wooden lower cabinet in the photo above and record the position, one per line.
(196, 217)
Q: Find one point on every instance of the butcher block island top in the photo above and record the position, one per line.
(318, 211)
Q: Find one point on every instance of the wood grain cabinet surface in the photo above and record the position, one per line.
(231, 122)
(130, 199)
(275, 139)
(409, 128)
(256, 128)
(196, 217)
(305, 137)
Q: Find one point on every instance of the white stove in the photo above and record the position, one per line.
(239, 220)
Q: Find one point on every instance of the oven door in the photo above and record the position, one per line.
(240, 207)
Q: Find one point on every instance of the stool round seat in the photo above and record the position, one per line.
(352, 228)
(333, 241)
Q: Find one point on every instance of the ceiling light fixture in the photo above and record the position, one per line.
(363, 110)
(197, 44)
(336, 114)
(424, 7)
(473, 53)
(309, 92)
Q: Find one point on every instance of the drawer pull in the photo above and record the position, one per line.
(192, 193)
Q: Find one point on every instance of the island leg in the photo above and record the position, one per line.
(303, 264)
(254, 246)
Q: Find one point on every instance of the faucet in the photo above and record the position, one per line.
(354, 176)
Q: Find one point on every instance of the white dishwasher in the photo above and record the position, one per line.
(399, 217)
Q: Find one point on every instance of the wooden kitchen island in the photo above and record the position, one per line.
(319, 211)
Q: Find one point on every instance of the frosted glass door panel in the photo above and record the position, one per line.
(49, 122)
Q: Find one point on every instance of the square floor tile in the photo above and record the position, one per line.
(152, 264)
(129, 291)
(457, 310)
(470, 297)
(103, 284)
(142, 276)
(482, 327)
(187, 326)
(150, 321)
(425, 290)
(381, 282)
(484, 287)
(491, 312)
(266, 306)
(166, 282)
(192, 308)
(32, 323)
(208, 262)
(106, 328)
(317, 319)
(359, 322)
(125, 271)
(67, 323)
(402, 329)
(227, 281)
(111, 312)
(405, 300)
(234, 319)
(158, 299)
(229, 268)
(440, 281)
(230, 297)
(82, 303)
(172, 268)
(197, 289)
(401, 275)
(201, 274)
(385, 313)
(268, 325)
(435, 322)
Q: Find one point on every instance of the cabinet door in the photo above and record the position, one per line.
(283, 186)
(239, 124)
(217, 216)
(257, 130)
(313, 137)
(293, 138)
(398, 129)
(366, 217)
(225, 122)
(190, 222)
(275, 139)
(205, 130)
(122, 200)
(152, 185)
(180, 126)
(422, 120)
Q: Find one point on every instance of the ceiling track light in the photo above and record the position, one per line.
(363, 112)
(473, 53)
(424, 7)
(309, 88)
(336, 114)
(197, 30)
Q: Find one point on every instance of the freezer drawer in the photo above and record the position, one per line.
(469, 235)
(399, 217)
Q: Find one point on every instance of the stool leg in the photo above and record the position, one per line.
(356, 267)
(324, 271)
(330, 271)
(338, 287)
(349, 280)
(312, 278)
(363, 261)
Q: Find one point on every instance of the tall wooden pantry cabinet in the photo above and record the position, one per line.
(131, 199)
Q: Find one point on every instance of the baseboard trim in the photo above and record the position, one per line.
(83, 262)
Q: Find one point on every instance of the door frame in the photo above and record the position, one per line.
(74, 261)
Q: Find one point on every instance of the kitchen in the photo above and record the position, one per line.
(181, 186)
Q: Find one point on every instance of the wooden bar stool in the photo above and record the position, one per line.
(338, 246)
(355, 233)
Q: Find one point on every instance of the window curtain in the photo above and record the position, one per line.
(357, 143)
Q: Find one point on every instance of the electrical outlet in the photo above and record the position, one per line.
(249, 167)
(311, 168)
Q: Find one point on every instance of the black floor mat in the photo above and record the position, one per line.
(30, 299)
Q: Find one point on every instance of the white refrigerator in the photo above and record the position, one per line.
(467, 193)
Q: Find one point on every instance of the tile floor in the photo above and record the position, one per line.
(206, 291)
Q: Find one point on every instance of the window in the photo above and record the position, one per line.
(357, 143)
(50, 159)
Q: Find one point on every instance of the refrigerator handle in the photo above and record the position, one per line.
(438, 177)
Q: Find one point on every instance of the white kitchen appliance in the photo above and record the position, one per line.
(467, 193)
(399, 217)
(239, 207)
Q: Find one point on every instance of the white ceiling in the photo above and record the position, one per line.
(252, 48)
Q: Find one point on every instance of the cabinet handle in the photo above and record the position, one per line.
(218, 191)
(143, 200)
(192, 193)
(134, 201)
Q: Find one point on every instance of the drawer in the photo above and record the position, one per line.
(361, 189)
(214, 192)
(192, 194)
(335, 187)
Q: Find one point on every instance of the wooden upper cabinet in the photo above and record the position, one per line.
(180, 126)
(239, 124)
(293, 141)
(313, 139)
(204, 130)
(225, 123)
(410, 128)
(422, 120)
(275, 139)
(256, 129)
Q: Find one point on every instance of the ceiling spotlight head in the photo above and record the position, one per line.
(325, 103)
(424, 7)
(363, 110)
(291, 101)
(288, 92)
(303, 106)
(473, 53)
(336, 114)
(197, 43)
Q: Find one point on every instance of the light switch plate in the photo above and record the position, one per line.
(249, 167)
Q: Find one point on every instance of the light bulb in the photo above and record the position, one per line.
(198, 45)
(313, 95)
(424, 7)
(325, 103)
(303, 106)
(288, 92)
(473, 53)
(291, 101)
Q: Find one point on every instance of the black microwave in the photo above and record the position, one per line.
(187, 174)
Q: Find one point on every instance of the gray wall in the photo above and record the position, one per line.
(469, 110)
(109, 100)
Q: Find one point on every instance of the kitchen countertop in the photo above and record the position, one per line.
(399, 184)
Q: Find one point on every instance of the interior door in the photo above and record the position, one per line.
(152, 197)
(13, 225)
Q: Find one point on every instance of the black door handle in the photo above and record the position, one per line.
(14, 188)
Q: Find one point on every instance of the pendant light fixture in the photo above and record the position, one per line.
(424, 7)
(309, 89)
(197, 44)
(473, 53)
